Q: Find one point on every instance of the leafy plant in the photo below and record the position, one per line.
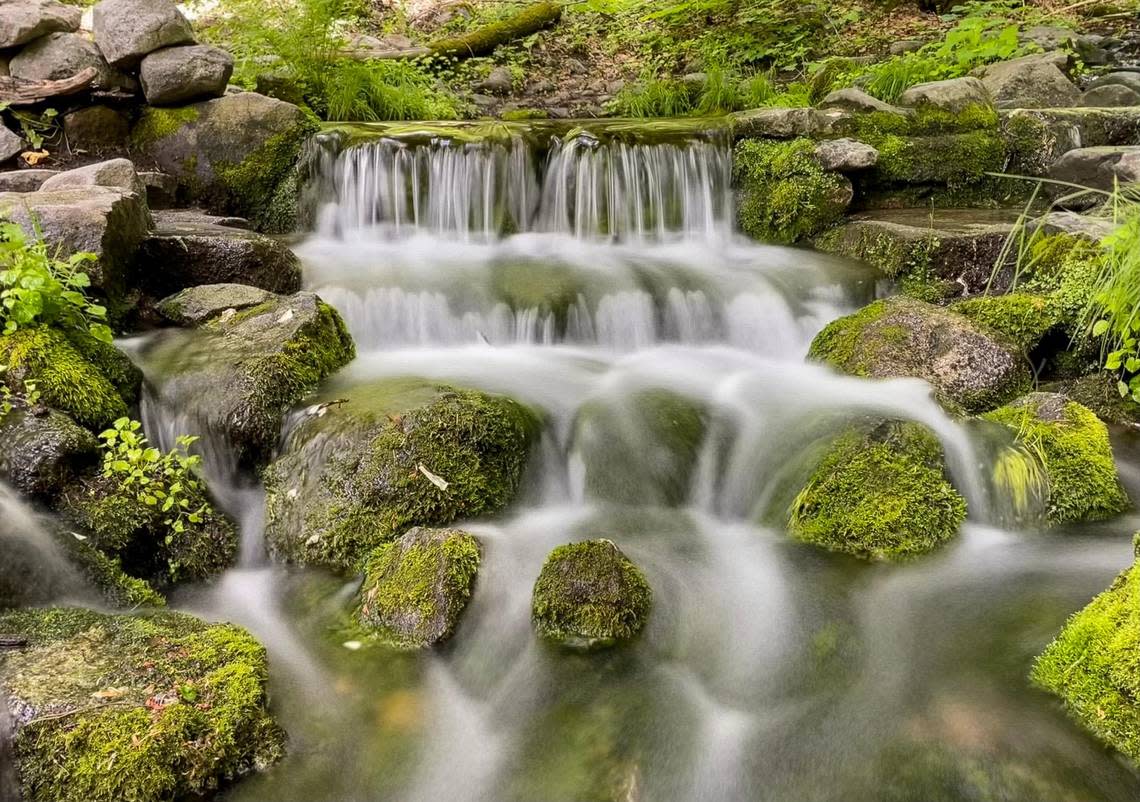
(1117, 301)
(168, 481)
(35, 127)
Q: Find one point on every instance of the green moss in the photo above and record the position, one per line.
(926, 121)
(114, 584)
(65, 380)
(482, 41)
(1024, 319)
(157, 123)
(1094, 665)
(881, 494)
(1097, 391)
(838, 343)
(515, 115)
(589, 595)
(1073, 447)
(135, 708)
(123, 374)
(893, 256)
(953, 159)
(784, 193)
(416, 588)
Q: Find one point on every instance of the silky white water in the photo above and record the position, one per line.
(588, 279)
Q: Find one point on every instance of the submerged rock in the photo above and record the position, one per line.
(879, 493)
(589, 595)
(969, 367)
(358, 472)
(1073, 447)
(109, 708)
(416, 587)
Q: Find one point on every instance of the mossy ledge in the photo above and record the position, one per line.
(112, 708)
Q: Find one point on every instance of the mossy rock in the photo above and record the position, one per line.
(1094, 665)
(116, 587)
(1098, 392)
(970, 368)
(241, 371)
(1072, 445)
(879, 493)
(122, 526)
(784, 194)
(357, 474)
(589, 596)
(64, 377)
(416, 587)
(43, 450)
(1020, 317)
(110, 708)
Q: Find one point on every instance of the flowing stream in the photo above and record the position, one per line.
(591, 278)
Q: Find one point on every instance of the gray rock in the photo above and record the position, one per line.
(176, 75)
(1032, 82)
(24, 180)
(1090, 48)
(1110, 96)
(62, 55)
(858, 102)
(42, 450)
(1087, 227)
(954, 95)
(497, 82)
(905, 46)
(11, 144)
(1048, 37)
(110, 223)
(846, 155)
(1100, 168)
(780, 123)
(96, 129)
(161, 189)
(118, 173)
(127, 30)
(1042, 136)
(1130, 80)
(22, 21)
(195, 306)
(484, 101)
(197, 217)
(178, 255)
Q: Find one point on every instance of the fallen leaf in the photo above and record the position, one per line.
(34, 157)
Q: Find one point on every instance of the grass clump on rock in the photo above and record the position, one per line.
(589, 595)
(879, 494)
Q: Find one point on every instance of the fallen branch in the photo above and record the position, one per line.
(483, 40)
(22, 92)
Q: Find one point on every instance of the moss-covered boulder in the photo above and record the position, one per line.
(72, 373)
(241, 371)
(783, 193)
(42, 450)
(416, 587)
(1023, 318)
(1073, 447)
(1094, 665)
(881, 492)
(110, 708)
(356, 474)
(237, 154)
(969, 367)
(589, 595)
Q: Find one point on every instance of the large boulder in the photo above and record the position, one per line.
(116, 173)
(1111, 96)
(1031, 82)
(64, 55)
(105, 221)
(1073, 448)
(42, 450)
(590, 595)
(970, 368)
(180, 74)
(1039, 137)
(953, 96)
(25, 20)
(386, 457)
(240, 372)
(416, 587)
(236, 153)
(1129, 80)
(1102, 168)
(108, 708)
(127, 30)
(880, 492)
(183, 253)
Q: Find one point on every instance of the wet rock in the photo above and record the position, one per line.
(880, 492)
(96, 128)
(11, 144)
(416, 587)
(178, 254)
(238, 374)
(24, 180)
(355, 474)
(1110, 96)
(160, 682)
(197, 305)
(1098, 168)
(128, 30)
(857, 101)
(42, 450)
(953, 96)
(116, 173)
(589, 595)
(26, 20)
(179, 74)
(63, 55)
(497, 82)
(237, 153)
(1072, 447)
(846, 155)
(969, 368)
(1038, 138)
(1032, 82)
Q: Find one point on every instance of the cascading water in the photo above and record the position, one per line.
(584, 277)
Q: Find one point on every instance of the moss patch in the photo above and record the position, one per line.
(140, 708)
(589, 595)
(157, 123)
(1025, 319)
(879, 494)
